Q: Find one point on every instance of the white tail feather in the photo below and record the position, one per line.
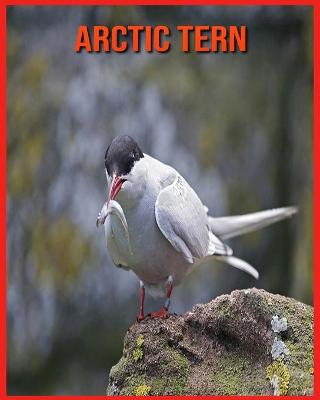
(228, 227)
(240, 264)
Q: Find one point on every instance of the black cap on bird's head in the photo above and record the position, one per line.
(121, 154)
(119, 159)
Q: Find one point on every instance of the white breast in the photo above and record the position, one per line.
(151, 256)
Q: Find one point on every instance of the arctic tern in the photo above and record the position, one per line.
(156, 225)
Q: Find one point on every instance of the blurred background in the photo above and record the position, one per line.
(237, 126)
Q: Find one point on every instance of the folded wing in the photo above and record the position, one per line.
(182, 219)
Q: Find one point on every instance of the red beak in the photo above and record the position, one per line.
(116, 185)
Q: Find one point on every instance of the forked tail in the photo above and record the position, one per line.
(228, 227)
(236, 225)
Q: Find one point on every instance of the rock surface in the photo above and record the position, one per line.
(250, 342)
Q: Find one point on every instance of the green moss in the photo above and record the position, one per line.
(142, 390)
(301, 366)
(180, 360)
(235, 374)
(173, 372)
(180, 370)
(259, 302)
(178, 385)
(230, 369)
(119, 369)
(132, 383)
(279, 375)
(300, 362)
(157, 386)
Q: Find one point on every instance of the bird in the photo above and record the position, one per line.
(156, 225)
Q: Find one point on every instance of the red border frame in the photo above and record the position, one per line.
(316, 154)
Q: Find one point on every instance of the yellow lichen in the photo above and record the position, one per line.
(279, 375)
(137, 353)
(142, 390)
(140, 341)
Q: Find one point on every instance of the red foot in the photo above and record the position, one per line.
(163, 313)
(140, 317)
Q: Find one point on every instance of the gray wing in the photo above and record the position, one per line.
(182, 219)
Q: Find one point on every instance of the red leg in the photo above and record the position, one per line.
(141, 308)
(163, 313)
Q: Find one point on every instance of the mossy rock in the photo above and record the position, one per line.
(230, 346)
